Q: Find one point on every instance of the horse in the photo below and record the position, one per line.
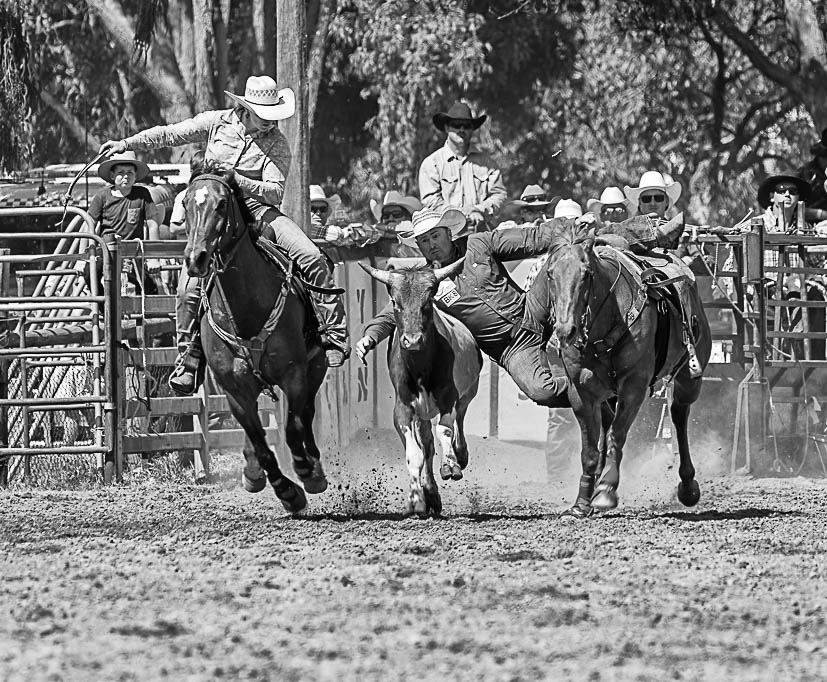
(616, 339)
(256, 334)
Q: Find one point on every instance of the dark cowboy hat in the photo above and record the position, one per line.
(766, 187)
(459, 112)
(820, 147)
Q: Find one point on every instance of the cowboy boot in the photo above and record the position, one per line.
(330, 313)
(189, 364)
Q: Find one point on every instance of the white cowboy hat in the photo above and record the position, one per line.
(610, 196)
(654, 180)
(428, 219)
(263, 97)
(567, 208)
(394, 198)
(317, 194)
(533, 195)
(105, 169)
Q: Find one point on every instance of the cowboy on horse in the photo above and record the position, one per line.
(247, 140)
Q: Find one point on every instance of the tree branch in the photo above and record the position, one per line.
(71, 122)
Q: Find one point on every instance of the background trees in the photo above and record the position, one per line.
(715, 93)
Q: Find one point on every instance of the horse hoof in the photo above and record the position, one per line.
(456, 473)
(578, 512)
(253, 485)
(433, 503)
(417, 508)
(462, 458)
(315, 485)
(445, 472)
(604, 498)
(292, 499)
(689, 493)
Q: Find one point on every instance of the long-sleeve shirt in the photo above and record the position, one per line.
(469, 183)
(261, 161)
(483, 296)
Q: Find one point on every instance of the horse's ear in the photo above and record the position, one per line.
(229, 176)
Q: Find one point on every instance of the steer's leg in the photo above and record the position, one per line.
(460, 444)
(433, 502)
(450, 468)
(406, 423)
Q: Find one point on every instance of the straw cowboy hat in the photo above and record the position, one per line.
(263, 97)
(459, 112)
(533, 195)
(766, 187)
(394, 198)
(653, 180)
(567, 208)
(105, 168)
(427, 219)
(610, 196)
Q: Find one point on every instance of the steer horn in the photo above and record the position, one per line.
(449, 270)
(383, 276)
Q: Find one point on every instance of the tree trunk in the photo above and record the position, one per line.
(291, 43)
(203, 43)
(180, 12)
(264, 30)
(318, 52)
(221, 19)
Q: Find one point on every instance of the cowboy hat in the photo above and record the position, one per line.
(567, 208)
(610, 196)
(533, 195)
(317, 194)
(428, 219)
(766, 187)
(263, 97)
(459, 111)
(105, 168)
(653, 180)
(394, 198)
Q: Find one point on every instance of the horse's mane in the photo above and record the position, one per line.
(570, 234)
(215, 169)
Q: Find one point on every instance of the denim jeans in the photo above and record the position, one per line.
(527, 363)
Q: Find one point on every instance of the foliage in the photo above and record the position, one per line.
(14, 85)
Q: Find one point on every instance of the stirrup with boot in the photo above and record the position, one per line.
(189, 369)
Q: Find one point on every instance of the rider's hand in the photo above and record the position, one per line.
(363, 347)
(476, 218)
(153, 265)
(586, 219)
(112, 147)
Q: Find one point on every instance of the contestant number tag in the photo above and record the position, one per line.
(447, 292)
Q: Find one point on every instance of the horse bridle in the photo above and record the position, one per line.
(219, 263)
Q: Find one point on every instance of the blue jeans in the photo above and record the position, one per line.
(527, 363)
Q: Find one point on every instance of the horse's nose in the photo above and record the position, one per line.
(412, 341)
(566, 333)
(197, 263)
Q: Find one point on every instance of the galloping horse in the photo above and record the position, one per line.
(615, 343)
(255, 335)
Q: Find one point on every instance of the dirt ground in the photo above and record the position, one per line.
(168, 580)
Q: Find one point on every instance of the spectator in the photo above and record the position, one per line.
(814, 174)
(534, 207)
(611, 207)
(322, 208)
(458, 176)
(654, 195)
(393, 217)
(127, 210)
(779, 195)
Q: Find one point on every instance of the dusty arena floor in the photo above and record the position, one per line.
(169, 580)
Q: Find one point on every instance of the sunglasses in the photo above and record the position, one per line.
(792, 190)
(461, 126)
(657, 198)
(318, 209)
(614, 209)
(394, 215)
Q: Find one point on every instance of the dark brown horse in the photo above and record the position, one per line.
(255, 336)
(615, 344)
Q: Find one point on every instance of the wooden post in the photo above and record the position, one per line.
(291, 72)
(113, 460)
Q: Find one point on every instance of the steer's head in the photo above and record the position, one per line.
(412, 292)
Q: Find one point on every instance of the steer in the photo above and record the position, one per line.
(434, 364)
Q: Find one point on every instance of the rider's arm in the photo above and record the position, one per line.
(518, 243)
(195, 129)
(275, 164)
(381, 326)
